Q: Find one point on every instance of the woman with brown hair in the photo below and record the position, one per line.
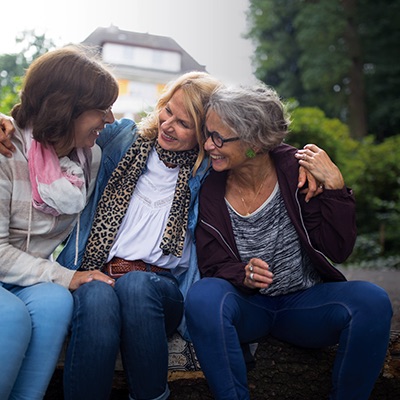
(65, 101)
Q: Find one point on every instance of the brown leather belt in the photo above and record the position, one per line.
(117, 267)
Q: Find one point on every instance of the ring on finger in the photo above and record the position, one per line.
(251, 276)
(251, 267)
(321, 186)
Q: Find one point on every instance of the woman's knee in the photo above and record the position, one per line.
(371, 297)
(206, 297)
(49, 302)
(144, 295)
(207, 291)
(370, 303)
(94, 293)
(95, 299)
(58, 295)
(134, 284)
(142, 286)
(15, 321)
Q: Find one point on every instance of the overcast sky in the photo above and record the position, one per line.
(209, 30)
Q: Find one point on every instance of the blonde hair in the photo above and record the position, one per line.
(196, 88)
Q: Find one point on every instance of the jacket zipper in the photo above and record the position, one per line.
(305, 231)
(220, 235)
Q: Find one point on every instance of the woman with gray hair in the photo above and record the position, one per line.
(266, 254)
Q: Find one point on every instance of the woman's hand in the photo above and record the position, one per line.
(258, 275)
(313, 189)
(319, 170)
(82, 277)
(6, 130)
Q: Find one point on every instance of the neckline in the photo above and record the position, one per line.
(264, 204)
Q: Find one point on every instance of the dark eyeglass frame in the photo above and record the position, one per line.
(218, 140)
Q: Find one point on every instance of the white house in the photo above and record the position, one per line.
(142, 63)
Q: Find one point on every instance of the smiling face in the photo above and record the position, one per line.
(231, 155)
(87, 128)
(176, 131)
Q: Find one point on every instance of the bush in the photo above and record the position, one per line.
(372, 170)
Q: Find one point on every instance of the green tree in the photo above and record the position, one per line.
(332, 54)
(9, 95)
(371, 170)
(310, 125)
(379, 30)
(12, 66)
(276, 54)
(379, 191)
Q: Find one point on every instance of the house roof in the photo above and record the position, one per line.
(113, 34)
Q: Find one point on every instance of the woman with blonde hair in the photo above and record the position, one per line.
(138, 228)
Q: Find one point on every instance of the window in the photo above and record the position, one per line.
(142, 57)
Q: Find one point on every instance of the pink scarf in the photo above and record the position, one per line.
(58, 184)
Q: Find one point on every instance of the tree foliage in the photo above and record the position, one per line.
(9, 95)
(379, 186)
(12, 66)
(371, 170)
(338, 55)
(311, 125)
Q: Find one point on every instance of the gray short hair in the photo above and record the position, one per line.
(254, 113)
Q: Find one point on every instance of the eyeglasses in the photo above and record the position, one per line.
(218, 140)
(105, 112)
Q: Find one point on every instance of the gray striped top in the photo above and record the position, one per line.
(268, 234)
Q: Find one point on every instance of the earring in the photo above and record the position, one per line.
(250, 153)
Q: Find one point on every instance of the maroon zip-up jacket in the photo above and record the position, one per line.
(325, 225)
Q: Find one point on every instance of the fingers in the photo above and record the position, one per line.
(257, 274)
(320, 168)
(312, 193)
(314, 188)
(308, 155)
(313, 147)
(82, 277)
(5, 151)
(302, 177)
(99, 276)
(6, 147)
(6, 130)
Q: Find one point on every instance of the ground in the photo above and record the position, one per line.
(197, 389)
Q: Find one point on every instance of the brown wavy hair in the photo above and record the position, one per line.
(58, 87)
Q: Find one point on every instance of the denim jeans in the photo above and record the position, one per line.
(354, 314)
(136, 317)
(34, 321)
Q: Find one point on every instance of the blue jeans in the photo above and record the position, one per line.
(34, 321)
(136, 317)
(354, 314)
